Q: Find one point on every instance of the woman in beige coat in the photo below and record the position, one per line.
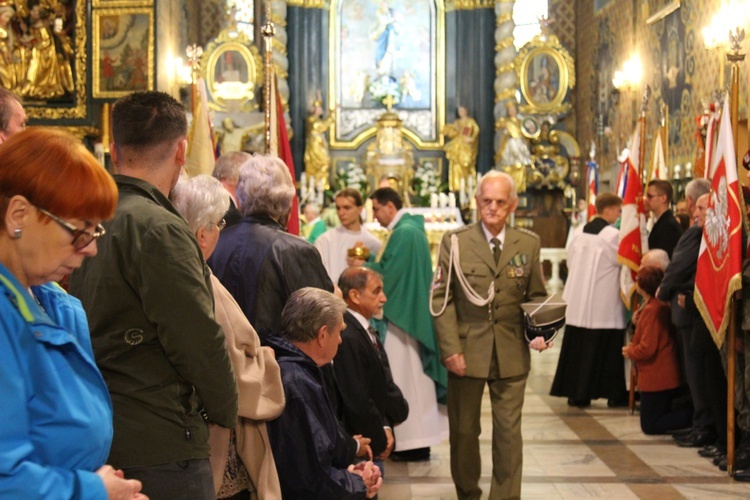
(241, 458)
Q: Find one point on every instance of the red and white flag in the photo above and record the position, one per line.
(280, 148)
(633, 235)
(719, 270)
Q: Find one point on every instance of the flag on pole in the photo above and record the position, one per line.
(280, 148)
(713, 123)
(593, 188)
(633, 235)
(718, 274)
(200, 152)
(658, 164)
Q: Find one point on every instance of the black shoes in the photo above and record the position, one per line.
(712, 451)
(579, 403)
(415, 455)
(696, 439)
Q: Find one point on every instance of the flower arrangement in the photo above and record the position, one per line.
(425, 183)
(382, 87)
(352, 176)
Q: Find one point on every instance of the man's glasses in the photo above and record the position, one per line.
(221, 224)
(81, 238)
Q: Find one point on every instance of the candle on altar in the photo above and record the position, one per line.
(433, 201)
(462, 191)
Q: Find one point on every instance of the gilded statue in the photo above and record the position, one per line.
(514, 151)
(317, 159)
(461, 150)
(35, 48)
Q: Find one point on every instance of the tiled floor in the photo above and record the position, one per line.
(571, 453)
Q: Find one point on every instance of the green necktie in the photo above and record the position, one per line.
(496, 249)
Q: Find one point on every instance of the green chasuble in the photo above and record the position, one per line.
(312, 231)
(407, 276)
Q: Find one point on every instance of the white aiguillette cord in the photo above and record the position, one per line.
(474, 297)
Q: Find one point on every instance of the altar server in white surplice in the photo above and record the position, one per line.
(591, 364)
(334, 243)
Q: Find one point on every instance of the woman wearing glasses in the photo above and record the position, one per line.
(241, 458)
(57, 415)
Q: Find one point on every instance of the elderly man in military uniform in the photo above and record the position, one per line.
(485, 272)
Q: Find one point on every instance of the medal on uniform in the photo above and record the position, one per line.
(519, 272)
(524, 259)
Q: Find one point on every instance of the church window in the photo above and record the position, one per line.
(244, 15)
(526, 14)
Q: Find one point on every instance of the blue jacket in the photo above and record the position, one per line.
(57, 415)
(309, 447)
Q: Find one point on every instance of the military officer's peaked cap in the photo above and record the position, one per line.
(544, 317)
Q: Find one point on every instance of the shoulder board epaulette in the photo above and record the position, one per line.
(527, 232)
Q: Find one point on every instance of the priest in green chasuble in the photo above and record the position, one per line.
(404, 262)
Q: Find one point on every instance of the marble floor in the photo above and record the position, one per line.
(570, 453)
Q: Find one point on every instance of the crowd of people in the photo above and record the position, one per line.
(681, 378)
(201, 351)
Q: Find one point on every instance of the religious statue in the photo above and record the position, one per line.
(11, 51)
(550, 166)
(383, 33)
(514, 151)
(317, 159)
(461, 150)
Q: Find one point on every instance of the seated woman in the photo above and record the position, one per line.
(241, 458)
(655, 355)
(57, 414)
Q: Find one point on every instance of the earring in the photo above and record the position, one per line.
(16, 234)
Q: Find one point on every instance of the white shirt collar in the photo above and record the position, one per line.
(395, 220)
(362, 321)
(500, 236)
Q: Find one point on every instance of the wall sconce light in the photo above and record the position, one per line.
(733, 14)
(630, 76)
(181, 71)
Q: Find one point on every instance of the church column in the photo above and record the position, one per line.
(505, 55)
(470, 70)
(308, 66)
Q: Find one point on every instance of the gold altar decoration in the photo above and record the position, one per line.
(462, 148)
(389, 157)
(513, 155)
(550, 167)
(39, 64)
(546, 72)
(233, 70)
(317, 160)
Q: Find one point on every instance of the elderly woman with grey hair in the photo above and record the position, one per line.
(241, 458)
(309, 446)
(257, 260)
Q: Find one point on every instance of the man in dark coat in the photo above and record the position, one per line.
(309, 447)
(256, 259)
(227, 171)
(372, 403)
(667, 230)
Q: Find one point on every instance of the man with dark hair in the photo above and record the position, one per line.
(334, 244)
(227, 170)
(406, 267)
(150, 307)
(372, 402)
(309, 447)
(256, 259)
(667, 230)
(591, 364)
(12, 115)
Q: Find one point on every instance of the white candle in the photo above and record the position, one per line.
(451, 201)
(321, 193)
(302, 187)
(462, 191)
(443, 200)
(433, 201)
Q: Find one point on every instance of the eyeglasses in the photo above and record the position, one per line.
(81, 238)
(221, 224)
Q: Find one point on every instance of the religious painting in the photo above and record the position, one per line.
(43, 56)
(602, 70)
(233, 69)
(385, 53)
(546, 73)
(123, 51)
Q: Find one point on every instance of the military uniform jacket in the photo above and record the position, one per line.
(472, 330)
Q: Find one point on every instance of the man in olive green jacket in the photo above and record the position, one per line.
(476, 301)
(148, 298)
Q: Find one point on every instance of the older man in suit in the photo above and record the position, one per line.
(478, 290)
(372, 402)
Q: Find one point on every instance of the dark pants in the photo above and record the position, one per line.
(713, 381)
(186, 479)
(692, 359)
(657, 414)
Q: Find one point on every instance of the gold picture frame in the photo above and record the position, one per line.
(121, 3)
(123, 51)
(233, 69)
(546, 73)
(76, 107)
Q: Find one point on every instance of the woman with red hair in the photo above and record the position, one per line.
(57, 412)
